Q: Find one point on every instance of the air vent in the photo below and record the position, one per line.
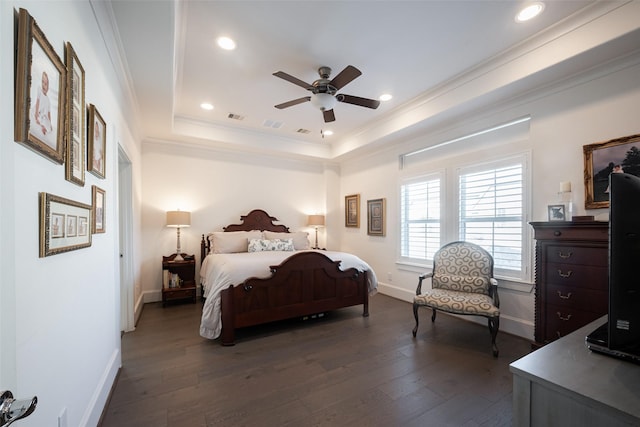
(235, 116)
(272, 124)
(303, 130)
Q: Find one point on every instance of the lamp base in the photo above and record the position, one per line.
(178, 257)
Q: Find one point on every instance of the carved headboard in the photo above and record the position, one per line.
(257, 219)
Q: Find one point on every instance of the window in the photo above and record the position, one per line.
(486, 204)
(491, 213)
(420, 218)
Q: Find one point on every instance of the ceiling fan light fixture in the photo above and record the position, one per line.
(323, 101)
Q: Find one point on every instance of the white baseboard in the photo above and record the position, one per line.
(510, 324)
(100, 397)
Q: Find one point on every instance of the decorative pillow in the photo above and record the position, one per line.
(232, 241)
(260, 245)
(300, 238)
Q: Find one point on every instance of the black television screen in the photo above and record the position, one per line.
(624, 261)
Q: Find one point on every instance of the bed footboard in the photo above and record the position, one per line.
(306, 283)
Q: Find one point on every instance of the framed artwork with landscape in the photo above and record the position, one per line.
(40, 90)
(604, 158)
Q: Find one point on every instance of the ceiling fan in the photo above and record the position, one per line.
(323, 91)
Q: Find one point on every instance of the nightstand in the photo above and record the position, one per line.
(178, 279)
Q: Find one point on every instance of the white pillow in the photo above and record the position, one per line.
(300, 238)
(230, 242)
(261, 245)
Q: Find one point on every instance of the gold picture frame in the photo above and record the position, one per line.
(76, 123)
(352, 211)
(97, 146)
(98, 196)
(603, 158)
(40, 90)
(376, 217)
(64, 225)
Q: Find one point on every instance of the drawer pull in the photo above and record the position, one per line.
(565, 275)
(247, 288)
(563, 318)
(564, 256)
(567, 296)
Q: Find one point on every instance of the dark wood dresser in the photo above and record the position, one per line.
(571, 276)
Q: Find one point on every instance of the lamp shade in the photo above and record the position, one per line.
(316, 220)
(178, 219)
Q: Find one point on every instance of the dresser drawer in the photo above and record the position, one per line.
(562, 321)
(577, 255)
(596, 301)
(581, 276)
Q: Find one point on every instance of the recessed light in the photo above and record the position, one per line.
(530, 11)
(206, 106)
(327, 132)
(385, 97)
(226, 43)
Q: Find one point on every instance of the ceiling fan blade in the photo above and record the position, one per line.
(294, 80)
(345, 76)
(356, 100)
(328, 116)
(294, 102)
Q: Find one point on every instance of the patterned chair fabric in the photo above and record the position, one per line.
(462, 283)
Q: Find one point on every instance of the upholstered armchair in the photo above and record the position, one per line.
(462, 283)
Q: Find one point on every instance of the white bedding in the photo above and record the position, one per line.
(219, 271)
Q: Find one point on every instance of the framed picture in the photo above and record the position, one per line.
(352, 211)
(604, 158)
(97, 138)
(557, 213)
(63, 225)
(98, 201)
(75, 132)
(40, 90)
(375, 217)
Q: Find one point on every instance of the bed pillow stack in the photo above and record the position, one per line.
(239, 241)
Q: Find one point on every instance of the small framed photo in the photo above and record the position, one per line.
(98, 201)
(375, 217)
(97, 147)
(40, 90)
(75, 132)
(557, 213)
(352, 211)
(61, 225)
(601, 159)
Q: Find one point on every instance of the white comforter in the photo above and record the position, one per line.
(219, 271)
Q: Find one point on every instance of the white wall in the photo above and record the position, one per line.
(60, 318)
(597, 106)
(217, 188)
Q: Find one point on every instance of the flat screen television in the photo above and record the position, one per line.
(620, 336)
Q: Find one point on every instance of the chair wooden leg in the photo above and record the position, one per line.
(494, 325)
(433, 315)
(415, 314)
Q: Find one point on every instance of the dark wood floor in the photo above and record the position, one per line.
(340, 370)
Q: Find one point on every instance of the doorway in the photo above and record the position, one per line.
(125, 213)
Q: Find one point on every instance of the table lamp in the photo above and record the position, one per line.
(178, 219)
(316, 221)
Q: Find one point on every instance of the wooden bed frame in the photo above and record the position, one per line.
(304, 284)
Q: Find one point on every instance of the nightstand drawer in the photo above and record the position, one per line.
(174, 294)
